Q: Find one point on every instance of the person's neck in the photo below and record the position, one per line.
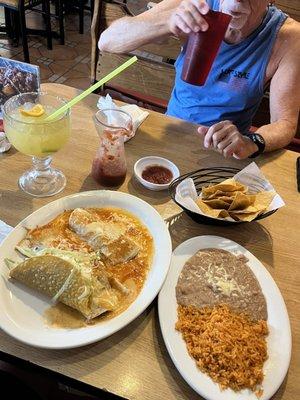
(234, 36)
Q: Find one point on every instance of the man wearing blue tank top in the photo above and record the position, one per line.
(261, 47)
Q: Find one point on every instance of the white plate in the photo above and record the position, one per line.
(279, 339)
(22, 309)
(144, 162)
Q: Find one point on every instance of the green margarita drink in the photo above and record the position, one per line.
(30, 133)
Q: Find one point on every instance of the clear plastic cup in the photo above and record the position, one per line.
(109, 165)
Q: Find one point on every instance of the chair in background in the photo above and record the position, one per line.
(80, 6)
(7, 29)
(15, 21)
(19, 7)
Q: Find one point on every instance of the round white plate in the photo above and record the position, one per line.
(278, 342)
(22, 309)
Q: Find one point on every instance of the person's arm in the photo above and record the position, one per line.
(284, 97)
(284, 107)
(164, 19)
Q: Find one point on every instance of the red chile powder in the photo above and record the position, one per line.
(157, 174)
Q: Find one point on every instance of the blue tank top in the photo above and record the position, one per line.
(235, 85)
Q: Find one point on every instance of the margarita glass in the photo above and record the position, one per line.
(28, 131)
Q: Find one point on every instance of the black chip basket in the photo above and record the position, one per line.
(204, 177)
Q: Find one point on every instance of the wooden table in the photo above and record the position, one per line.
(134, 363)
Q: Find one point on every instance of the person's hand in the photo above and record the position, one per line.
(225, 138)
(188, 17)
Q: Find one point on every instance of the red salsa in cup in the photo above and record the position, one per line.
(157, 174)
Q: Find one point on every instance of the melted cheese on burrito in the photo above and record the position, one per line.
(108, 237)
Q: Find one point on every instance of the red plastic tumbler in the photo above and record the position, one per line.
(202, 48)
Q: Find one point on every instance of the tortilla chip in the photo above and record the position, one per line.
(217, 204)
(261, 202)
(241, 201)
(263, 199)
(245, 217)
(230, 199)
(219, 194)
(229, 185)
(207, 210)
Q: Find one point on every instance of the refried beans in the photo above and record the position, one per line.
(213, 276)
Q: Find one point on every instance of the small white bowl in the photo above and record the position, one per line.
(145, 162)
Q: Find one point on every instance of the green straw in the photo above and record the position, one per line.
(82, 95)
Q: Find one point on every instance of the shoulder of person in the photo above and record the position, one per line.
(289, 36)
